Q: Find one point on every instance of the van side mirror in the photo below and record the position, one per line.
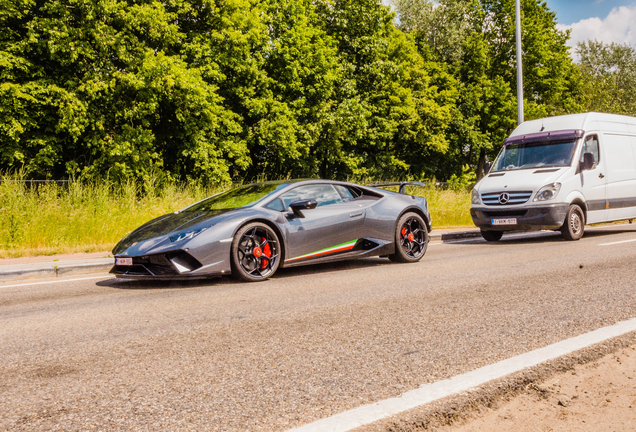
(297, 206)
(487, 167)
(588, 161)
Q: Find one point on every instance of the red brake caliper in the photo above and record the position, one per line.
(267, 251)
(403, 232)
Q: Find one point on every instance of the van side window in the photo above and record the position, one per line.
(591, 146)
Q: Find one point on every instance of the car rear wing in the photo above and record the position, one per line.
(402, 185)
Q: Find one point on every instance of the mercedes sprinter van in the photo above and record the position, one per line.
(560, 173)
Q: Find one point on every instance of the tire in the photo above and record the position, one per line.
(411, 239)
(574, 224)
(491, 236)
(255, 253)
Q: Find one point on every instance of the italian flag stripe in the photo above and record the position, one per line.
(338, 248)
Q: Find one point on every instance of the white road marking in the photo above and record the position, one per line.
(618, 242)
(428, 393)
(55, 281)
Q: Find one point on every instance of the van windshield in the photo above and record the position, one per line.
(535, 155)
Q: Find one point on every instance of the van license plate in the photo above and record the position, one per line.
(511, 221)
(123, 261)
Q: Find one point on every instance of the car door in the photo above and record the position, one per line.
(593, 181)
(332, 227)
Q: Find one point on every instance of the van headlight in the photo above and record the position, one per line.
(474, 197)
(547, 192)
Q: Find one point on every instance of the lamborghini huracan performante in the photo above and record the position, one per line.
(251, 231)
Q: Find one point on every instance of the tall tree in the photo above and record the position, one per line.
(388, 112)
(99, 87)
(609, 77)
(476, 40)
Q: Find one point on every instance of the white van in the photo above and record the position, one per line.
(560, 173)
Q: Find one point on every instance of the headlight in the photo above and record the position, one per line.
(547, 192)
(474, 197)
(186, 235)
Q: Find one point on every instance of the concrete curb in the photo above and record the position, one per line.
(55, 270)
(455, 235)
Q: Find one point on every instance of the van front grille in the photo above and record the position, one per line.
(505, 198)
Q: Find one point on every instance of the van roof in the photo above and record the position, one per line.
(586, 121)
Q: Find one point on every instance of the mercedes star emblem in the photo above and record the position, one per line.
(504, 198)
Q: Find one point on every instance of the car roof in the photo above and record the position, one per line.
(295, 182)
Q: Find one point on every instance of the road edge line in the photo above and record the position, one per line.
(428, 393)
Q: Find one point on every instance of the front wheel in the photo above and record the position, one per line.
(411, 239)
(491, 236)
(574, 224)
(255, 253)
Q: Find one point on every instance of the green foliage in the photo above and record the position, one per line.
(100, 87)
(475, 42)
(463, 182)
(609, 77)
(84, 216)
(213, 89)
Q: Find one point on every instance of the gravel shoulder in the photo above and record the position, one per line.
(593, 389)
(600, 395)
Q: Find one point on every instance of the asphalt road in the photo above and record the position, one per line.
(312, 342)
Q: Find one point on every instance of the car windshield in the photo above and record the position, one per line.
(243, 196)
(535, 155)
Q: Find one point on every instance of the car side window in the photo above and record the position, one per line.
(345, 193)
(324, 194)
(591, 146)
(276, 205)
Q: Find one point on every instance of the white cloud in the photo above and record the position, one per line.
(619, 26)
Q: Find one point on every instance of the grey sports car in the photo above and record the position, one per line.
(251, 231)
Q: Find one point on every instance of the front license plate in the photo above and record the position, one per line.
(511, 221)
(123, 261)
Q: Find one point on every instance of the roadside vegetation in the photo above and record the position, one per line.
(91, 216)
(227, 90)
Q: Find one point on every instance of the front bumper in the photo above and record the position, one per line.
(529, 218)
(171, 265)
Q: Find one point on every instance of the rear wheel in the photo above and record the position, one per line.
(255, 253)
(574, 224)
(411, 239)
(491, 236)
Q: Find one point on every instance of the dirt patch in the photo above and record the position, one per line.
(597, 396)
(591, 390)
(51, 371)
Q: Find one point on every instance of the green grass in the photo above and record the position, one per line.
(92, 216)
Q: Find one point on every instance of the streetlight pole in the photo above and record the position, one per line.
(519, 64)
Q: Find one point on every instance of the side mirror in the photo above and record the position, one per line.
(487, 167)
(588, 161)
(297, 206)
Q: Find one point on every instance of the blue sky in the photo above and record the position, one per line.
(604, 20)
(569, 12)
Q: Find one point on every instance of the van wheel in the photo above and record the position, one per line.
(574, 224)
(491, 236)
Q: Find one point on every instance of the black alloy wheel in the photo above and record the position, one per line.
(574, 224)
(491, 236)
(411, 239)
(255, 253)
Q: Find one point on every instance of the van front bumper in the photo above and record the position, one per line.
(529, 218)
